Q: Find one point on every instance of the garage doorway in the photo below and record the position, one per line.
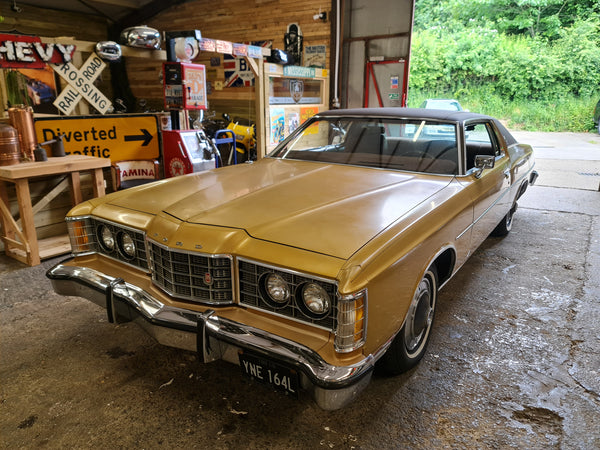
(375, 59)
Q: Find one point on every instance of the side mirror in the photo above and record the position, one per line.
(483, 162)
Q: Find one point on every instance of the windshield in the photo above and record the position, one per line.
(411, 145)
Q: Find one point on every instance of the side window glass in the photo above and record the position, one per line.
(479, 140)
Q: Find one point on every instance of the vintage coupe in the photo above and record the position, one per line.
(314, 264)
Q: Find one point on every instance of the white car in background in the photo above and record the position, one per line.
(440, 103)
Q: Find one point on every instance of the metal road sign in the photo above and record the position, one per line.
(81, 84)
(116, 137)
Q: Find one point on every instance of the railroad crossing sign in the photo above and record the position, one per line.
(117, 137)
(81, 85)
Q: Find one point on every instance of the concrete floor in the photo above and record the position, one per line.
(513, 361)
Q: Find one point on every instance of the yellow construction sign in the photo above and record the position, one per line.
(116, 137)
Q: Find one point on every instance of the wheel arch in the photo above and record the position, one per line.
(444, 263)
(522, 189)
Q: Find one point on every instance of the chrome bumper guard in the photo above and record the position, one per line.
(533, 177)
(211, 336)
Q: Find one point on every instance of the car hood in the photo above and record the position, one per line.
(324, 208)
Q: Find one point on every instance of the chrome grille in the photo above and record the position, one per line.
(192, 276)
(250, 295)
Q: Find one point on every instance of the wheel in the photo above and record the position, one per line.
(409, 345)
(505, 225)
(598, 126)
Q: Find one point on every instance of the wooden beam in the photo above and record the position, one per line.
(48, 197)
(131, 4)
(143, 14)
(89, 47)
(9, 222)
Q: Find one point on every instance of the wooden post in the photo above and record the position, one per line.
(76, 197)
(25, 208)
(258, 67)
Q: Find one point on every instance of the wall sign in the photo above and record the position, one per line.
(115, 137)
(81, 85)
(299, 71)
(29, 51)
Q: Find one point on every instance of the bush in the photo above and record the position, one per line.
(564, 114)
(531, 82)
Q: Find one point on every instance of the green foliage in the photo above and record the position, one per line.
(563, 114)
(517, 67)
(539, 55)
(534, 18)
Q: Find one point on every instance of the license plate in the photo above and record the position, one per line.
(276, 375)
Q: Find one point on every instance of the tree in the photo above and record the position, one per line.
(535, 18)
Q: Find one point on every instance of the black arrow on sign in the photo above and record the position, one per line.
(146, 137)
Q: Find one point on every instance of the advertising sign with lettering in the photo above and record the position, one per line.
(116, 137)
(224, 47)
(184, 85)
(29, 51)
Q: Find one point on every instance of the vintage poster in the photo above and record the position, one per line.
(277, 125)
(292, 120)
(32, 87)
(305, 114)
(315, 56)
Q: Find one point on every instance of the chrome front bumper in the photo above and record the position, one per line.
(211, 336)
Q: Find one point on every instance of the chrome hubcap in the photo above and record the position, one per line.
(420, 316)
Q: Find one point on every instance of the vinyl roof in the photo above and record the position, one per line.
(409, 113)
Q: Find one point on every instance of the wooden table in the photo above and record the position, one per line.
(27, 249)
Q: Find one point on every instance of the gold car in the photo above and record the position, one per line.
(314, 264)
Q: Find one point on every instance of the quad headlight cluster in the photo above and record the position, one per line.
(306, 299)
(121, 241)
(312, 299)
(89, 234)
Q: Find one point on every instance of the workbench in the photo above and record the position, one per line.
(20, 242)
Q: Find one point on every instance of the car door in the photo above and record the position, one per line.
(489, 190)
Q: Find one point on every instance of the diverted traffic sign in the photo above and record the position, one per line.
(119, 137)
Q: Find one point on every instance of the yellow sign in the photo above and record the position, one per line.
(118, 137)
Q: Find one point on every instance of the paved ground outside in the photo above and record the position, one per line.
(566, 160)
(513, 361)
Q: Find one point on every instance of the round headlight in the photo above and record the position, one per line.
(316, 300)
(126, 245)
(277, 289)
(107, 239)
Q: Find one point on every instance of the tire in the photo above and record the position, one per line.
(598, 126)
(505, 225)
(410, 344)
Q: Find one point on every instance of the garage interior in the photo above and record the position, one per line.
(513, 362)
